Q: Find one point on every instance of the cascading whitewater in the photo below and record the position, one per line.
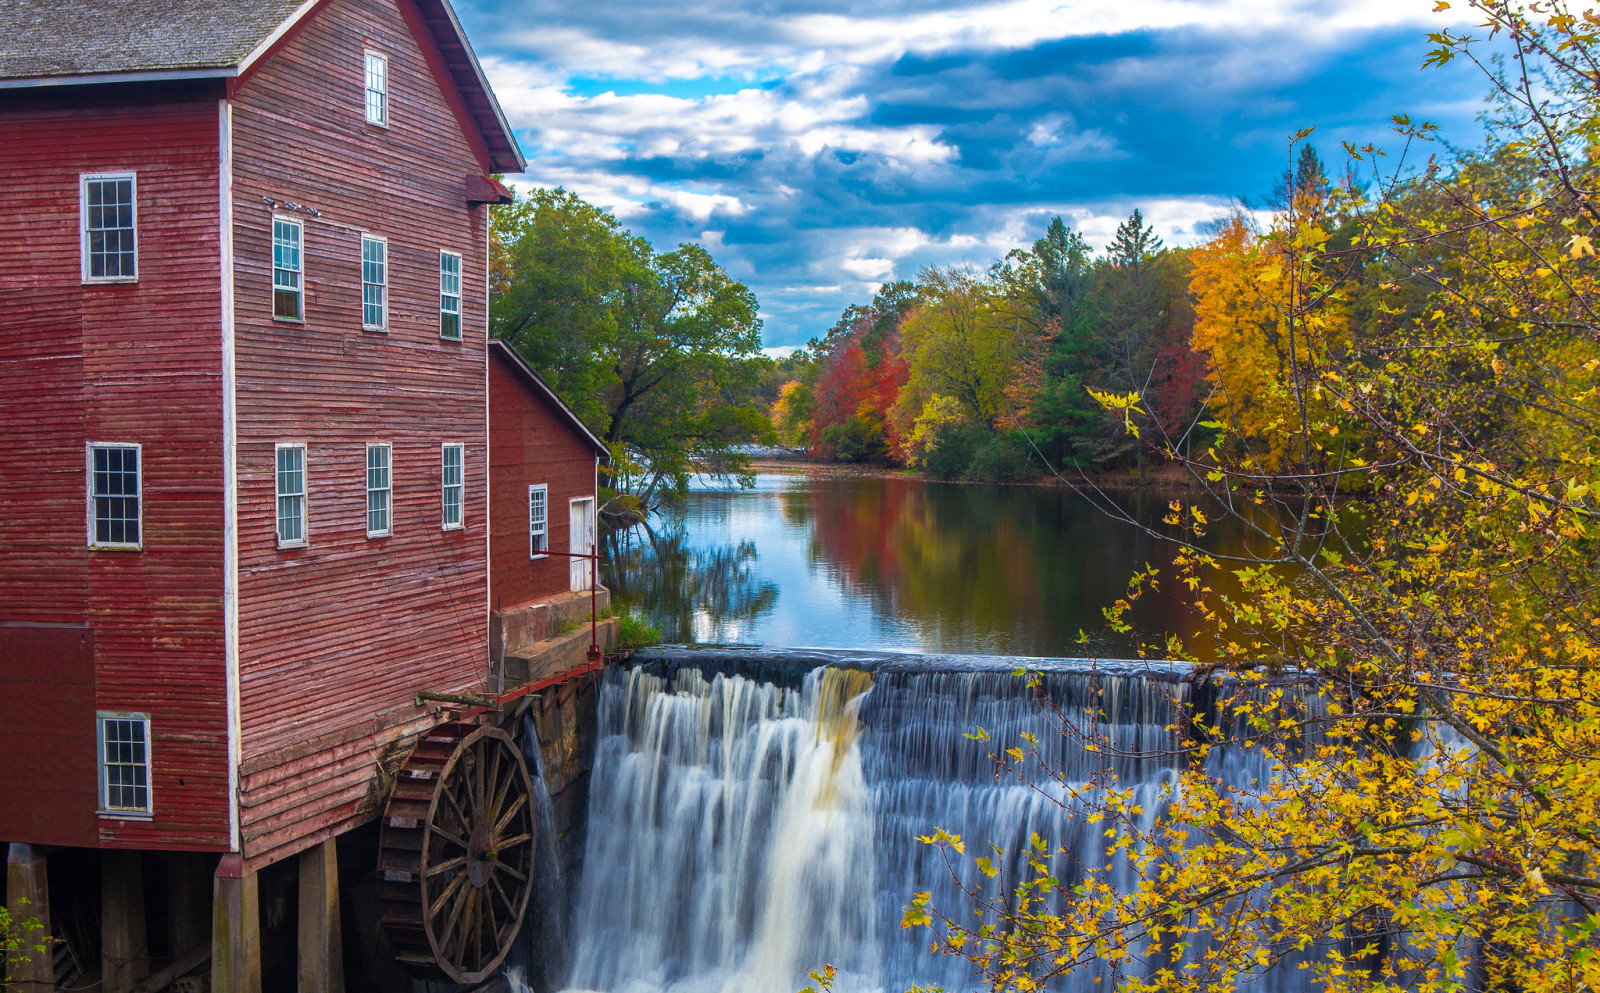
(752, 819)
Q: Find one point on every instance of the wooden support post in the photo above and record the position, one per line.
(124, 954)
(188, 901)
(321, 951)
(235, 929)
(28, 896)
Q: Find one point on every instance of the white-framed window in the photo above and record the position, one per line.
(115, 491)
(374, 282)
(379, 490)
(124, 741)
(108, 211)
(290, 474)
(288, 286)
(452, 487)
(450, 296)
(538, 520)
(377, 89)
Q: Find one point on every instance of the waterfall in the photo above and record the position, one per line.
(751, 819)
(538, 960)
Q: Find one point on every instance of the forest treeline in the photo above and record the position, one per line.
(992, 373)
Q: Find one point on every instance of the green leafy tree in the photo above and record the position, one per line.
(22, 941)
(657, 351)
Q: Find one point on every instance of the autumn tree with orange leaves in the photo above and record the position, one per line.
(1409, 429)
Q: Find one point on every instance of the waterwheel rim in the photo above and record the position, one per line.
(458, 879)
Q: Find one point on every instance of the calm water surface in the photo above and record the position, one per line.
(896, 563)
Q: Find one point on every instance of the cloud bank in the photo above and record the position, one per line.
(821, 147)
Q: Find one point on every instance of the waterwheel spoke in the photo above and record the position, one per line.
(477, 787)
(448, 933)
(494, 881)
(510, 812)
(491, 802)
(503, 867)
(515, 840)
(458, 862)
(477, 927)
(449, 793)
(444, 895)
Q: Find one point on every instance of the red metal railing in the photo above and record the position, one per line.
(596, 658)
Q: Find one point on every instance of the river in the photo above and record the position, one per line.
(898, 563)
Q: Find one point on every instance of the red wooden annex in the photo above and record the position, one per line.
(542, 465)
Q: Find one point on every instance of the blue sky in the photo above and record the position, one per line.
(820, 147)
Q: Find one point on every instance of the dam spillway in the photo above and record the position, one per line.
(754, 814)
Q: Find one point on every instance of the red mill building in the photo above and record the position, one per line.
(245, 361)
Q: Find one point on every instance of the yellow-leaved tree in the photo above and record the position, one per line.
(1411, 653)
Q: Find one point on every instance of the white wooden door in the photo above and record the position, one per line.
(581, 533)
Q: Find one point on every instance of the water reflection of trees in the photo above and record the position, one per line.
(1019, 570)
(707, 594)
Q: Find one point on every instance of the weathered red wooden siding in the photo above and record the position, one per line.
(140, 363)
(530, 442)
(336, 638)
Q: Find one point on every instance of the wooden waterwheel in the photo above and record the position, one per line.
(456, 856)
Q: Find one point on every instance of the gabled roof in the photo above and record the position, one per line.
(540, 388)
(76, 42)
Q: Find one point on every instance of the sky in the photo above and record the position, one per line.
(818, 148)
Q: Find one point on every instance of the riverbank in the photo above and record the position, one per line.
(1162, 477)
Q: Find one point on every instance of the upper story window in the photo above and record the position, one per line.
(377, 89)
(378, 490)
(124, 763)
(115, 514)
(288, 290)
(109, 218)
(374, 282)
(538, 521)
(450, 296)
(452, 489)
(291, 492)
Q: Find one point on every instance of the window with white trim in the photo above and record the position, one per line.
(452, 488)
(374, 282)
(291, 490)
(450, 296)
(377, 89)
(288, 290)
(109, 218)
(378, 490)
(124, 741)
(538, 520)
(115, 505)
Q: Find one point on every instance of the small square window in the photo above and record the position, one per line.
(108, 212)
(377, 89)
(288, 292)
(450, 296)
(378, 490)
(124, 741)
(452, 488)
(374, 283)
(291, 491)
(538, 521)
(115, 504)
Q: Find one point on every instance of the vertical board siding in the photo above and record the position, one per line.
(529, 443)
(136, 362)
(348, 628)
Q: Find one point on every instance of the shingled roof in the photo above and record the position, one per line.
(66, 42)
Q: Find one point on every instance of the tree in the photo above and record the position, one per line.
(1420, 668)
(657, 352)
